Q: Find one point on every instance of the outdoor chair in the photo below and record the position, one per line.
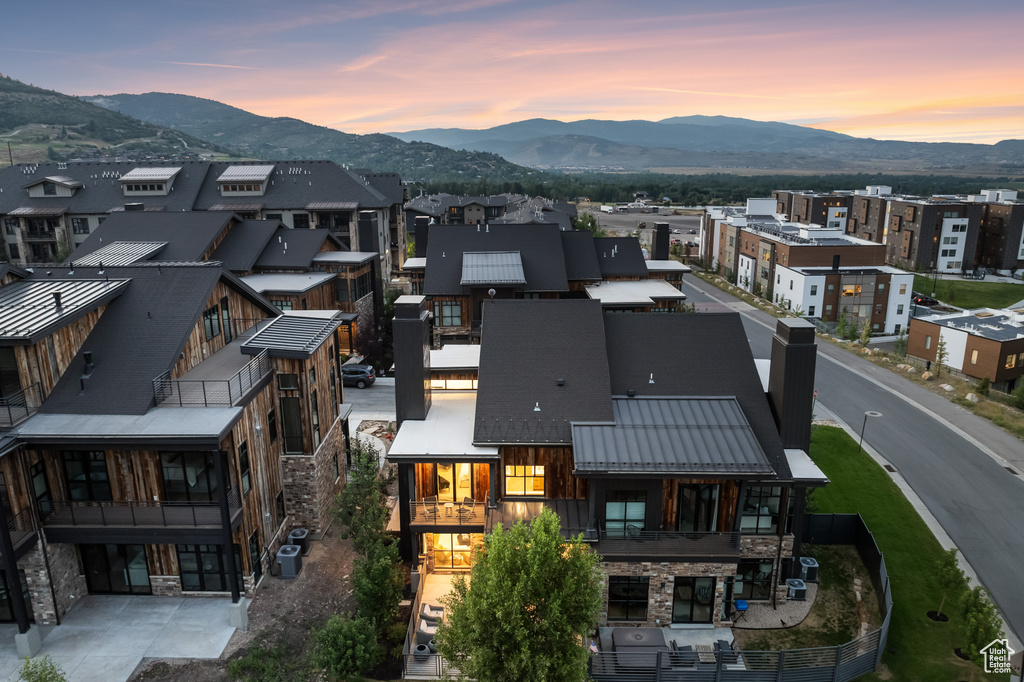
(467, 508)
(632, 531)
(430, 507)
(425, 632)
(431, 614)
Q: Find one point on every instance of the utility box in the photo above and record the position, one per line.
(289, 558)
(797, 589)
(300, 537)
(808, 569)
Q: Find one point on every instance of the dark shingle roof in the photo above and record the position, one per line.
(627, 261)
(243, 244)
(540, 248)
(640, 346)
(138, 337)
(188, 234)
(580, 256)
(301, 245)
(566, 341)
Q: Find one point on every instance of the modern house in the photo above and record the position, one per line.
(981, 344)
(688, 479)
(164, 429)
(450, 209)
(463, 265)
(49, 209)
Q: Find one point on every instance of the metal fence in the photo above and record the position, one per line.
(18, 407)
(211, 392)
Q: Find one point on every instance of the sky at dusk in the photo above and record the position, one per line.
(929, 70)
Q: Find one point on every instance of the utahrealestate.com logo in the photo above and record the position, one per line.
(997, 656)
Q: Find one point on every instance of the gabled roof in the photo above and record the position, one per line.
(246, 173)
(243, 244)
(286, 282)
(29, 310)
(139, 336)
(704, 436)
(11, 269)
(619, 256)
(642, 348)
(189, 235)
(293, 249)
(566, 343)
(64, 180)
(150, 174)
(500, 268)
(120, 253)
(580, 255)
(539, 246)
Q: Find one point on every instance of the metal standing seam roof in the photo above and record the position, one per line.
(292, 335)
(57, 179)
(39, 211)
(120, 253)
(345, 257)
(28, 309)
(256, 173)
(146, 209)
(332, 206)
(287, 282)
(492, 267)
(237, 206)
(671, 435)
(150, 174)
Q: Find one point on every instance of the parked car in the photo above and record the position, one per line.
(675, 231)
(359, 376)
(677, 242)
(693, 231)
(921, 299)
(691, 243)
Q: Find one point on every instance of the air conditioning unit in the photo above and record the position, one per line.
(300, 537)
(797, 589)
(289, 558)
(808, 569)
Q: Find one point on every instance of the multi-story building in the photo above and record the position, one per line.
(931, 234)
(981, 344)
(165, 427)
(450, 209)
(1001, 236)
(866, 218)
(49, 209)
(688, 478)
(829, 209)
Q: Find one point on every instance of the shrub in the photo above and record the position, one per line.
(41, 670)
(979, 623)
(377, 583)
(1017, 397)
(347, 647)
(983, 386)
(260, 664)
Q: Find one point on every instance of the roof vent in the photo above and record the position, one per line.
(631, 393)
(536, 407)
(560, 382)
(56, 299)
(651, 380)
(89, 366)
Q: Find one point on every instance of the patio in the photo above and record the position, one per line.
(104, 637)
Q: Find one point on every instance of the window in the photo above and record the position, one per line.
(760, 514)
(791, 285)
(810, 311)
(49, 189)
(881, 286)
(190, 476)
(814, 290)
(312, 375)
(974, 357)
(831, 289)
(878, 309)
(362, 285)
(903, 288)
(87, 475)
(627, 597)
(225, 318)
(531, 296)
(625, 511)
(1011, 361)
(896, 329)
(448, 313)
(279, 508)
(851, 290)
(203, 568)
(287, 382)
(334, 390)
(927, 342)
(243, 467)
(524, 480)
(291, 425)
(753, 580)
(828, 309)
(300, 221)
(40, 488)
(282, 305)
(211, 321)
(272, 425)
(304, 306)
(11, 225)
(899, 309)
(778, 280)
(341, 290)
(15, 254)
(80, 225)
(314, 412)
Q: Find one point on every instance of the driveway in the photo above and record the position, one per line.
(104, 637)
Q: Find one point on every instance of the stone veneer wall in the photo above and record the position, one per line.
(67, 583)
(364, 310)
(165, 585)
(659, 600)
(309, 483)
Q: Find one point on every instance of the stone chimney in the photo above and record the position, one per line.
(411, 329)
(660, 245)
(791, 381)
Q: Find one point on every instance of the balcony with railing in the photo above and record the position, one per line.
(431, 512)
(17, 407)
(39, 235)
(667, 544)
(221, 381)
(23, 532)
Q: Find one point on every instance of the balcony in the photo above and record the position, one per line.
(23, 533)
(89, 520)
(448, 514)
(39, 235)
(18, 407)
(209, 384)
(668, 544)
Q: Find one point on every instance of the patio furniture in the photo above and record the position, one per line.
(425, 632)
(431, 613)
(421, 652)
(467, 508)
(430, 507)
(633, 531)
(741, 607)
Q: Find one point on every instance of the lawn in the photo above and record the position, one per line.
(970, 294)
(918, 648)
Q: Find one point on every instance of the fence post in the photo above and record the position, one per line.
(203, 384)
(131, 506)
(781, 666)
(835, 670)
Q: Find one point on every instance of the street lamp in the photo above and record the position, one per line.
(869, 413)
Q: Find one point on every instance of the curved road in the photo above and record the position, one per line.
(954, 461)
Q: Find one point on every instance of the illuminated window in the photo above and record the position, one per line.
(1011, 361)
(851, 290)
(524, 480)
(974, 357)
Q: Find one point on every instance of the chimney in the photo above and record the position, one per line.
(87, 356)
(791, 381)
(368, 240)
(56, 300)
(660, 251)
(411, 330)
(422, 224)
(835, 263)
(135, 207)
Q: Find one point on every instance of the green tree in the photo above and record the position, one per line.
(980, 623)
(531, 600)
(41, 670)
(842, 326)
(377, 583)
(949, 574)
(363, 502)
(899, 346)
(1017, 397)
(941, 355)
(347, 648)
(865, 334)
(588, 222)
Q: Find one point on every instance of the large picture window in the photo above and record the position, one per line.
(203, 568)
(87, 475)
(753, 579)
(625, 512)
(291, 425)
(524, 480)
(211, 321)
(448, 313)
(760, 513)
(190, 476)
(627, 597)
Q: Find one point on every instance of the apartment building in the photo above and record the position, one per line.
(689, 481)
(164, 429)
(829, 209)
(931, 234)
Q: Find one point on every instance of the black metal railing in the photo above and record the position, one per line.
(39, 235)
(667, 543)
(18, 407)
(21, 526)
(137, 513)
(211, 392)
(434, 513)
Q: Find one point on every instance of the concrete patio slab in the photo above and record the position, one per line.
(190, 640)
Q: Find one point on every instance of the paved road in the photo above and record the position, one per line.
(953, 460)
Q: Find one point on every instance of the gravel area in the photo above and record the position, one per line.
(761, 615)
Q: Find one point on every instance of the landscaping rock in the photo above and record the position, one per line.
(946, 387)
(902, 365)
(911, 370)
(926, 375)
(973, 397)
